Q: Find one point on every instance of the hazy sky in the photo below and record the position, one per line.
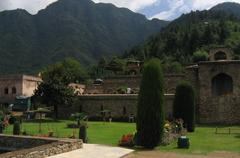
(162, 9)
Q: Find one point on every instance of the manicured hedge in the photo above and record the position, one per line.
(184, 105)
(150, 114)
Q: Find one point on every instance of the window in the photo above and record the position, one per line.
(6, 90)
(14, 90)
(222, 84)
(220, 56)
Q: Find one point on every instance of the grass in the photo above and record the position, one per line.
(203, 140)
(98, 132)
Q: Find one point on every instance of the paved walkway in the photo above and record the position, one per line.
(95, 151)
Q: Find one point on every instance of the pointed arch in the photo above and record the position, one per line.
(222, 84)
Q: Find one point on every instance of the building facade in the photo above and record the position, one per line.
(12, 86)
(217, 84)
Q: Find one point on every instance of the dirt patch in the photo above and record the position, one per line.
(158, 154)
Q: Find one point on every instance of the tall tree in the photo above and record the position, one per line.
(224, 33)
(150, 115)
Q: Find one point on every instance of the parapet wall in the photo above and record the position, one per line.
(112, 84)
(120, 105)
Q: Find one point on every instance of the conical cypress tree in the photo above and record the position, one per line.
(150, 115)
(184, 105)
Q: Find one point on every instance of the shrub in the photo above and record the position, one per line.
(200, 56)
(127, 140)
(184, 105)
(16, 128)
(175, 67)
(150, 115)
(83, 132)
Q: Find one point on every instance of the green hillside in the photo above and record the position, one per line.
(200, 30)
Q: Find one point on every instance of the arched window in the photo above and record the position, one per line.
(14, 90)
(222, 84)
(220, 56)
(6, 90)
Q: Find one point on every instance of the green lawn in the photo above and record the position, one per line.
(203, 141)
(98, 132)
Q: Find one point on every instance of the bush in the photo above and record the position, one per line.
(200, 56)
(127, 140)
(83, 133)
(175, 67)
(150, 115)
(16, 128)
(184, 105)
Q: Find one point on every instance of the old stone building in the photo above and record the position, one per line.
(217, 83)
(12, 86)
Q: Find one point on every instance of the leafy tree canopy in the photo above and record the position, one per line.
(54, 89)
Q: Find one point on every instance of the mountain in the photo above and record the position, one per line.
(199, 30)
(229, 7)
(69, 28)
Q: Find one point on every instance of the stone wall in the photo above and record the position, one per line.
(120, 105)
(35, 147)
(223, 108)
(112, 84)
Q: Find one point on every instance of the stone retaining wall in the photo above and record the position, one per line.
(36, 147)
(120, 105)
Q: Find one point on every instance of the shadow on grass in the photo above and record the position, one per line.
(43, 121)
(237, 136)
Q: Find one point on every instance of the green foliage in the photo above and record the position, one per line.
(184, 105)
(54, 90)
(200, 56)
(116, 65)
(79, 117)
(150, 114)
(172, 67)
(69, 28)
(16, 128)
(189, 33)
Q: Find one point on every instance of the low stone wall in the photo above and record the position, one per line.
(220, 110)
(36, 147)
(120, 105)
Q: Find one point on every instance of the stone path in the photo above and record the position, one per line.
(95, 151)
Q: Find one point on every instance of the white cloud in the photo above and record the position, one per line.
(174, 6)
(177, 7)
(32, 6)
(133, 5)
(168, 9)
